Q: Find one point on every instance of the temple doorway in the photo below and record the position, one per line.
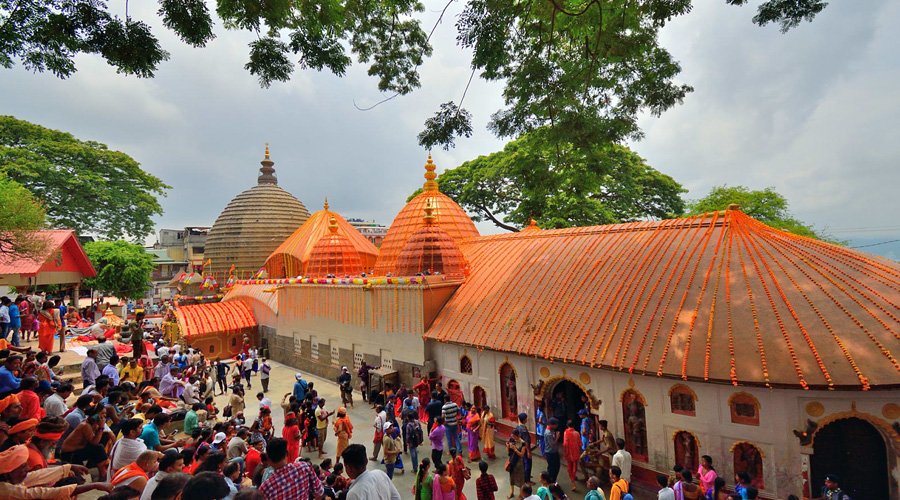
(563, 400)
(854, 450)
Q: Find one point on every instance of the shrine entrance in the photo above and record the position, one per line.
(855, 451)
(563, 399)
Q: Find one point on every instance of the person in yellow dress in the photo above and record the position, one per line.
(486, 431)
(343, 429)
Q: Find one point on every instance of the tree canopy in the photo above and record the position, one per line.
(82, 184)
(584, 68)
(123, 268)
(600, 184)
(765, 205)
(22, 217)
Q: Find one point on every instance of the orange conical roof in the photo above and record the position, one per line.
(334, 254)
(430, 250)
(452, 219)
(293, 255)
(532, 226)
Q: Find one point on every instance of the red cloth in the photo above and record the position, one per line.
(457, 396)
(31, 405)
(253, 459)
(291, 434)
(571, 445)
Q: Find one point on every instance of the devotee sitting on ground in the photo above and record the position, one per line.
(128, 448)
(16, 482)
(46, 436)
(210, 486)
(153, 437)
(86, 444)
(170, 464)
(136, 474)
(8, 380)
(55, 404)
(169, 488)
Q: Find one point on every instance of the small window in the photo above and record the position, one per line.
(233, 341)
(744, 409)
(682, 399)
(212, 348)
(465, 365)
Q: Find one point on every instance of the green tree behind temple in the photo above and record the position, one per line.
(561, 185)
(22, 216)
(123, 268)
(82, 184)
(765, 205)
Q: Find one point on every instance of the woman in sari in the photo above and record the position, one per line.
(291, 434)
(486, 431)
(459, 473)
(473, 427)
(443, 487)
(26, 314)
(343, 429)
(48, 326)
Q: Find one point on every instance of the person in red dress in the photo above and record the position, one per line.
(291, 434)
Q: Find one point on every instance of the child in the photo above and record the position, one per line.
(485, 485)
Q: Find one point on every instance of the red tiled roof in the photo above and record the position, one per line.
(720, 297)
(58, 240)
(217, 317)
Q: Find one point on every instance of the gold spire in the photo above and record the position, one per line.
(267, 151)
(332, 224)
(429, 211)
(532, 223)
(430, 176)
(326, 205)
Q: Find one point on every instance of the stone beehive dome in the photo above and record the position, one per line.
(430, 250)
(447, 214)
(252, 225)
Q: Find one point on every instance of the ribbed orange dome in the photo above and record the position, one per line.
(292, 257)
(334, 254)
(448, 215)
(430, 250)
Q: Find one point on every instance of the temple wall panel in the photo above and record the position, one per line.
(781, 412)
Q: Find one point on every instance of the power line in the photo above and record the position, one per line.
(876, 244)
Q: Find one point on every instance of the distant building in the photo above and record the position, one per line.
(175, 251)
(373, 231)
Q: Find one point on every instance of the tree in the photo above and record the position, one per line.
(82, 184)
(601, 184)
(123, 268)
(22, 217)
(585, 68)
(766, 206)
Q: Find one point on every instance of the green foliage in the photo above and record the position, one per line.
(82, 184)
(585, 69)
(561, 185)
(22, 216)
(123, 268)
(766, 206)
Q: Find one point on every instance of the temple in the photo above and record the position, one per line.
(709, 335)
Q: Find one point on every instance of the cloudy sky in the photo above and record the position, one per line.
(812, 113)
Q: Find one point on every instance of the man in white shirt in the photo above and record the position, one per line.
(622, 459)
(162, 367)
(367, 484)
(55, 405)
(665, 493)
(170, 463)
(528, 493)
(263, 400)
(190, 393)
(129, 448)
(167, 386)
(162, 351)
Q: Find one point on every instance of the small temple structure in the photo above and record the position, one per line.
(62, 263)
(709, 335)
(252, 225)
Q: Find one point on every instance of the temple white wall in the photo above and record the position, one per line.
(781, 412)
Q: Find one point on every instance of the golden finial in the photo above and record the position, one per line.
(429, 212)
(532, 223)
(430, 176)
(267, 151)
(326, 205)
(332, 225)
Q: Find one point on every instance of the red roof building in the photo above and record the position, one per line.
(64, 262)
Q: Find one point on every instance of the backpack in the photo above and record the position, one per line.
(418, 437)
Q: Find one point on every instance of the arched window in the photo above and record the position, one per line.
(686, 450)
(744, 409)
(748, 458)
(508, 396)
(465, 365)
(682, 399)
(635, 424)
(233, 341)
(479, 397)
